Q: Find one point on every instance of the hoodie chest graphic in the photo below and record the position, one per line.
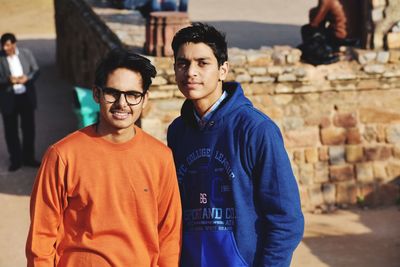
(205, 180)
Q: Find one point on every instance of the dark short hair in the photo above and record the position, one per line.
(8, 37)
(122, 58)
(202, 33)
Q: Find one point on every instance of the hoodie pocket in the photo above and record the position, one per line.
(211, 249)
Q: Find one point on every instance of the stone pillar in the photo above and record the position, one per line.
(160, 30)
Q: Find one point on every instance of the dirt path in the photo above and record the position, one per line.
(347, 238)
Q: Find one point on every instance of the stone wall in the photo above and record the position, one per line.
(383, 24)
(340, 122)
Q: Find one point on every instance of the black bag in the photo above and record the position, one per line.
(315, 48)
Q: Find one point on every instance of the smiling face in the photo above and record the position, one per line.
(9, 48)
(198, 75)
(117, 119)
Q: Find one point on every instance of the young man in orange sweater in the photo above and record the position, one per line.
(107, 195)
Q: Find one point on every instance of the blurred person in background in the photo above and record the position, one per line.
(18, 72)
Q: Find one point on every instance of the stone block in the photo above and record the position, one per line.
(283, 100)
(379, 169)
(377, 14)
(260, 88)
(364, 172)
(282, 88)
(259, 59)
(318, 120)
(260, 71)
(242, 78)
(306, 137)
(381, 133)
(237, 60)
(311, 155)
(377, 115)
(160, 94)
(393, 170)
(323, 153)
(287, 77)
(341, 173)
(263, 79)
(333, 136)
(394, 56)
(300, 72)
(321, 172)
(329, 193)
(274, 70)
(341, 76)
(392, 74)
(159, 80)
(374, 68)
(378, 3)
(393, 134)
(305, 198)
(368, 84)
(383, 57)
(376, 153)
(345, 120)
(353, 136)
(393, 40)
(298, 156)
(294, 56)
(315, 194)
(364, 56)
(292, 123)
(306, 172)
(346, 193)
(354, 153)
(279, 58)
(337, 155)
(396, 151)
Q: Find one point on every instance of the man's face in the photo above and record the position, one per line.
(9, 48)
(119, 116)
(197, 72)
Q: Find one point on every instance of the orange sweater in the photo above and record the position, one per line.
(97, 203)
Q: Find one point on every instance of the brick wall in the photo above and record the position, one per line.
(340, 122)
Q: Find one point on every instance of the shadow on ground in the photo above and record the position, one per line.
(361, 238)
(54, 116)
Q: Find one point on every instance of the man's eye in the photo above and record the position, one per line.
(203, 63)
(135, 95)
(181, 64)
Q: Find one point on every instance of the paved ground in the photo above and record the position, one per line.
(347, 238)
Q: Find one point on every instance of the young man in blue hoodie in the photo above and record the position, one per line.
(240, 200)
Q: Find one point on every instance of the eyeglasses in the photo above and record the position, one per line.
(111, 95)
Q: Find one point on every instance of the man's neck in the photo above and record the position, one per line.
(202, 106)
(118, 136)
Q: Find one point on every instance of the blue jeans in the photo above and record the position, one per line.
(169, 5)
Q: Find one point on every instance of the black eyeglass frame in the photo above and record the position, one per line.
(119, 93)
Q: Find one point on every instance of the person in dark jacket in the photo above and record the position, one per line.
(241, 204)
(18, 72)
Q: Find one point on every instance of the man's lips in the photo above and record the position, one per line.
(120, 115)
(192, 84)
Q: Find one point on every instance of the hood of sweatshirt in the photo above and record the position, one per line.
(232, 103)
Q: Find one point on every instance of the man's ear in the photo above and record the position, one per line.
(96, 94)
(145, 99)
(223, 71)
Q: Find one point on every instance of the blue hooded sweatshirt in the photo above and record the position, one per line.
(240, 200)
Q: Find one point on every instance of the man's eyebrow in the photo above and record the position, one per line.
(196, 59)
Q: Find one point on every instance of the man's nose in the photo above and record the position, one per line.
(192, 70)
(121, 101)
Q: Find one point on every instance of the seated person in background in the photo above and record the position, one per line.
(325, 33)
